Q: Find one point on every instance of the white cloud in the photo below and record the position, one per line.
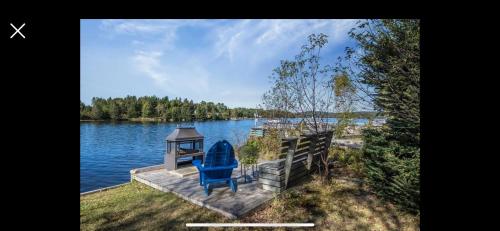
(153, 34)
(174, 78)
(137, 26)
(227, 39)
(150, 26)
(149, 63)
(253, 41)
(278, 29)
(236, 48)
(260, 40)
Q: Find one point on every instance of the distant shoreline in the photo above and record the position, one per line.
(161, 120)
(164, 121)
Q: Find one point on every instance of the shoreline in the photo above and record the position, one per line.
(161, 120)
(103, 189)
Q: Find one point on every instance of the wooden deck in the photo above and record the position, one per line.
(233, 205)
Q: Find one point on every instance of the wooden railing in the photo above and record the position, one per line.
(257, 132)
(300, 156)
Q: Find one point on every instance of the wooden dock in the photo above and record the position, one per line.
(222, 200)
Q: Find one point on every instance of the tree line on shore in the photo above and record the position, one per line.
(164, 109)
(177, 109)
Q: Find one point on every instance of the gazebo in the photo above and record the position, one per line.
(184, 145)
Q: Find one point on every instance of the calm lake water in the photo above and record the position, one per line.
(108, 151)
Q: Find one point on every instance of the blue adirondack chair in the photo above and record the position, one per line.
(218, 166)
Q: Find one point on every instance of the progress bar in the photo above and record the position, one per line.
(249, 224)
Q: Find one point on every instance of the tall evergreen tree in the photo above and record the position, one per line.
(387, 60)
(98, 112)
(147, 109)
(114, 110)
(132, 110)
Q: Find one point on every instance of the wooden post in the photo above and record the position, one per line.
(328, 141)
(289, 158)
(312, 147)
(245, 171)
(257, 173)
(171, 157)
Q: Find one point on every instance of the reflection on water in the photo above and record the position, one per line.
(108, 151)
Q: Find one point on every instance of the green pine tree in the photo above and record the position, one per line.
(390, 63)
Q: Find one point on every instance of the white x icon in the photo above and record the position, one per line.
(18, 31)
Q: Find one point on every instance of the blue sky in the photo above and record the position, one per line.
(227, 61)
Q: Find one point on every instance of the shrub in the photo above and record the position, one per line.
(248, 153)
(268, 145)
(348, 157)
(392, 169)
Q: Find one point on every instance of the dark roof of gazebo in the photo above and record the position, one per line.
(184, 133)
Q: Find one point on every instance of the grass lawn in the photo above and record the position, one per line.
(338, 205)
(139, 207)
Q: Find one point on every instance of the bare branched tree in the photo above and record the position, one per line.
(278, 98)
(309, 82)
(304, 87)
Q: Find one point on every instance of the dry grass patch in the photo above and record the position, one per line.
(338, 205)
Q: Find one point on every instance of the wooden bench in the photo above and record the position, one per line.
(300, 156)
